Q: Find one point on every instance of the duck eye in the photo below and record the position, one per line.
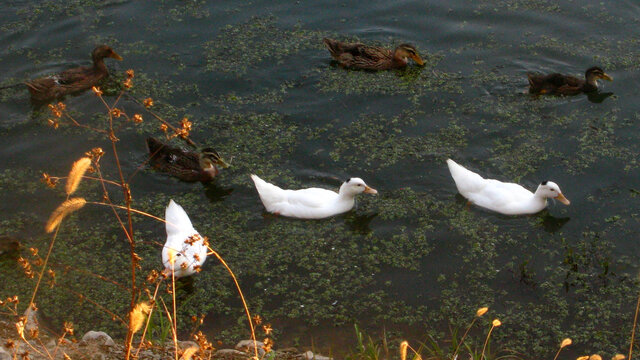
(360, 185)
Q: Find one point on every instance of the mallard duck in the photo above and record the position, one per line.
(361, 56)
(505, 198)
(559, 84)
(73, 80)
(185, 165)
(183, 243)
(311, 203)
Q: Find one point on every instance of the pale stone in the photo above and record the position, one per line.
(100, 337)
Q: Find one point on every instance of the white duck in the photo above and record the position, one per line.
(505, 198)
(311, 203)
(188, 247)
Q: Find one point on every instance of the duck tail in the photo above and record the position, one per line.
(177, 220)
(269, 193)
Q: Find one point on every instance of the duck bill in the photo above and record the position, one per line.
(562, 199)
(606, 77)
(370, 190)
(115, 55)
(417, 59)
(223, 164)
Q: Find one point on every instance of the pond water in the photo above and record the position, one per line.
(258, 86)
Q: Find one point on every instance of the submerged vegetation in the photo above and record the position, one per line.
(413, 263)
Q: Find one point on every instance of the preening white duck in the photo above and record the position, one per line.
(183, 242)
(311, 203)
(505, 198)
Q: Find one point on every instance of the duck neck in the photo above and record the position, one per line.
(538, 201)
(399, 60)
(98, 64)
(591, 83)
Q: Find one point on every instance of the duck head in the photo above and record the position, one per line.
(355, 186)
(595, 73)
(549, 189)
(104, 51)
(405, 51)
(209, 158)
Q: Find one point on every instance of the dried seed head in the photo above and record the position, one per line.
(75, 175)
(138, 315)
(148, 102)
(62, 211)
(403, 350)
(482, 311)
(116, 113)
(565, 342)
(130, 73)
(496, 323)
(128, 83)
(96, 90)
(586, 357)
(618, 357)
(137, 118)
(595, 357)
(188, 353)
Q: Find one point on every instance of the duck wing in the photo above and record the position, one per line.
(360, 56)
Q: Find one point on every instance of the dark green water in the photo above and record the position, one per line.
(258, 85)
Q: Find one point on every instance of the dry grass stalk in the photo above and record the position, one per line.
(62, 211)
(75, 175)
(138, 315)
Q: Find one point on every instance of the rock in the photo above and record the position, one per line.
(31, 314)
(230, 354)
(247, 346)
(98, 337)
(4, 355)
(188, 344)
(311, 356)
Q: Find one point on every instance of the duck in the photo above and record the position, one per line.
(559, 84)
(73, 80)
(501, 197)
(310, 203)
(361, 56)
(187, 247)
(188, 166)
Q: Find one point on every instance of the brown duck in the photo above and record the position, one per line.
(185, 165)
(73, 80)
(559, 84)
(361, 56)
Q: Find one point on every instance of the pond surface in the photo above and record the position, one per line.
(258, 85)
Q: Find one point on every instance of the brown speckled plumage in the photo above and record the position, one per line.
(185, 165)
(361, 56)
(72, 80)
(559, 84)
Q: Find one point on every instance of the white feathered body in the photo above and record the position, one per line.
(311, 203)
(505, 198)
(186, 244)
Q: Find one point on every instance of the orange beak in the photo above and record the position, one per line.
(562, 199)
(370, 190)
(417, 59)
(115, 56)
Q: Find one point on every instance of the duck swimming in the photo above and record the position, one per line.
(505, 198)
(185, 165)
(361, 56)
(559, 84)
(311, 203)
(73, 80)
(185, 247)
